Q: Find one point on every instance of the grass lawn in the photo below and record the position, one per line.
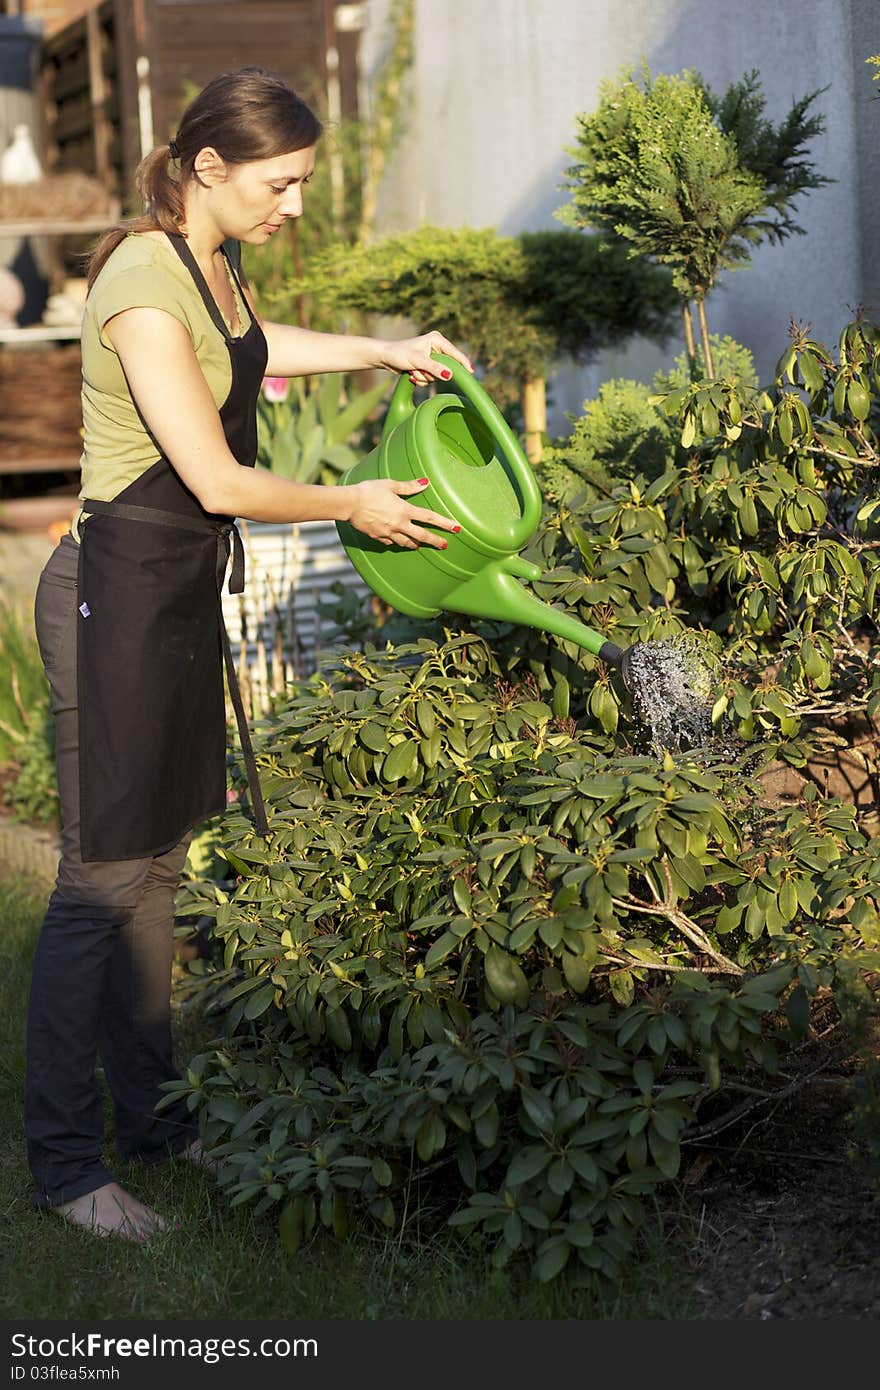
(225, 1263)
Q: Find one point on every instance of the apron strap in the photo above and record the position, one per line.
(133, 512)
(244, 735)
(223, 531)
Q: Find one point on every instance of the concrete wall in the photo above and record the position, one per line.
(497, 86)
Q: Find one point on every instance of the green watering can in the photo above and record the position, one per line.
(480, 477)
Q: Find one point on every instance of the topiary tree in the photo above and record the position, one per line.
(516, 302)
(689, 179)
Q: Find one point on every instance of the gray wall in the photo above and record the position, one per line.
(496, 88)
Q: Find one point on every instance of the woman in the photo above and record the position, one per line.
(129, 621)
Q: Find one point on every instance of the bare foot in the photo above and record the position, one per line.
(111, 1211)
(195, 1153)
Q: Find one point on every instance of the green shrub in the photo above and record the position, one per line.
(691, 180)
(515, 303)
(27, 739)
(623, 434)
(32, 794)
(484, 945)
(490, 940)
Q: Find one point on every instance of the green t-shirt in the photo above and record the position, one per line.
(142, 272)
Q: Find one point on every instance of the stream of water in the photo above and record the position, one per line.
(670, 683)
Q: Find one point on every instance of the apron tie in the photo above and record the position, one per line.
(236, 574)
(236, 586)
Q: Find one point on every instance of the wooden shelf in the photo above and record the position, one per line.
(57, 226)
(54, 463)
(40, 333)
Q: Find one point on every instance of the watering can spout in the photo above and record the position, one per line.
(496, 593)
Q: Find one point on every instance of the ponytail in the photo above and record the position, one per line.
(245, 115)
(164, 208)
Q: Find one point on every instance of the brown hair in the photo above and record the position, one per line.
(245, 115)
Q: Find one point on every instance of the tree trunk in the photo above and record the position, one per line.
(534, 409)
(690, 345)
(704, 337)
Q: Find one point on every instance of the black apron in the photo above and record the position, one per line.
(151, 640)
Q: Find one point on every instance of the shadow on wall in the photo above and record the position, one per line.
(820, 277)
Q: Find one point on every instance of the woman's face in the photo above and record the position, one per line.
(251, 201)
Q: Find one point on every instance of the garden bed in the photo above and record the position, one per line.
(789, 1218)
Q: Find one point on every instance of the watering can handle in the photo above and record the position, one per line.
(401, 406)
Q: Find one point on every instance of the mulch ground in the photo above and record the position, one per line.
(789, 1217)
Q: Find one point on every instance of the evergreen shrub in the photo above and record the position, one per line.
(495, 946)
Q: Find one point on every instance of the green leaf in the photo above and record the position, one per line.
(505, 977)
(561, 698)
(462, 895)
(350, 419)
(338, 1028)
(784, 425)
(552, 1258)
(538, 1108)
(430, 749)
(797, 1010)
(441, 949)
(259, 1001)
(559, 1177)
(576, 971)
(527, 1164)
(427, 719)
(584, 1165)
(401, 762)
(238, 864)
(666, 1154)
(381, 1172)
(858, 400)
(748, 517)
(374, 736)
(513, 1231)
(622, 986)
(291, 1225)
(580, 1234)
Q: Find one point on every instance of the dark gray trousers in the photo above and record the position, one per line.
(101, 980)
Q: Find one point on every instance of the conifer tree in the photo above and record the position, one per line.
(515, 302)
(692, 180)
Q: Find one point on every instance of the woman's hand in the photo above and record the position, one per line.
(379, 511)
(413, 355)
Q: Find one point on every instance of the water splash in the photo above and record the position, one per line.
(670, 683)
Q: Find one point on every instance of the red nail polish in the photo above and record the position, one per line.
(456, 529)
(444, 545)
(446, 374)
(423, 481)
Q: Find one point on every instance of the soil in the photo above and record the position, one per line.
(788, 1215)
